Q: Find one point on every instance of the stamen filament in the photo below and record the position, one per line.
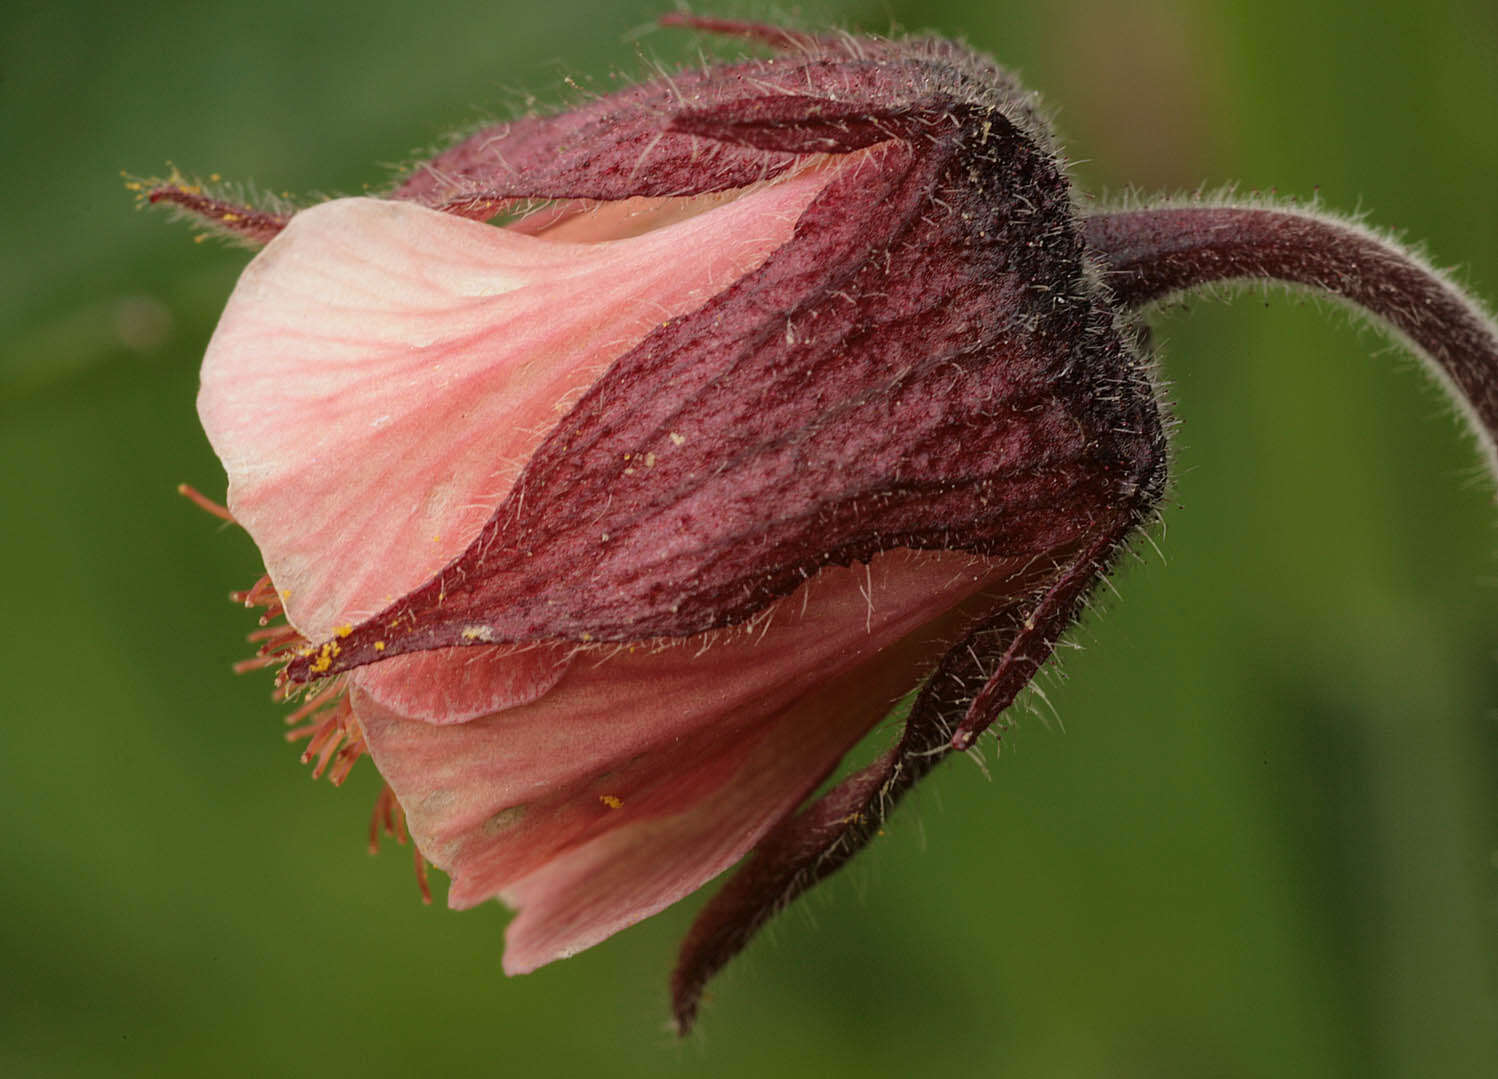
(204, 503)
(317, 702)
(255, 663)
(389, 818)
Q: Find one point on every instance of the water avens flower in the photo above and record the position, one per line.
(787, 389)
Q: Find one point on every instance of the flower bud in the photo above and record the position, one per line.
(623, 523)
(789, 387)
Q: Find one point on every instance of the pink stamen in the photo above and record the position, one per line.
(389, 818)
(204, 503)
(260, 594)
(421, 877)
(347, 758)
(255, 663)
(383, 818)
(273, 635)
(317, 702)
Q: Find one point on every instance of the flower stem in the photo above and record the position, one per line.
(1153, 254)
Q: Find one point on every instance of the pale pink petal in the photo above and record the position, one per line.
(456, 685)
(383, 371)
(579, 222)
(658, 769)
(619, 877)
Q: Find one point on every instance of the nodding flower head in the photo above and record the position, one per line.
(789, 388)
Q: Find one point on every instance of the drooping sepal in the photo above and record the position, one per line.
(1000, 653)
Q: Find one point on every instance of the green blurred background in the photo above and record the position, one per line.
(1263, 843)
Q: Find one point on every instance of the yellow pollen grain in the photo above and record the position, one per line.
(343, 631)
(611, 801)
(587, 636)
(379, 646)
(227, 216)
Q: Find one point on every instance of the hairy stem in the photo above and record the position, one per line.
(1153, 254)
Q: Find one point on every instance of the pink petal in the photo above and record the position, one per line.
(383, 371)
(644, 773)
(443, 687)
(580, 221)
(729, 801)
